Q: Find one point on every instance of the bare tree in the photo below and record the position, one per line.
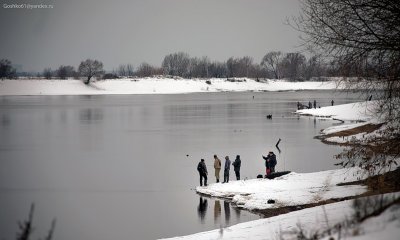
(176, 64)
(218, 70)
(239, 67)
(6, 69)
(65, 72)
(245, 65)
(122, 71)
(199, 67)
(271, 62)
(313, 67)
(292, 65)
(90, 68)
(47, 73)
(363, 37)
(147, 70)
(129, 70)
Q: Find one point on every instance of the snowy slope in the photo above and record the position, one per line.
(150, 86)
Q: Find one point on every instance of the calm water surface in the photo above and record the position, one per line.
(124, 167)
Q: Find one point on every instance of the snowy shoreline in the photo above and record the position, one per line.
(153, 86)
(289, 190)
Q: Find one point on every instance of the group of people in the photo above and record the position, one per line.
(270, 162)
(311, 105)
(202, 168)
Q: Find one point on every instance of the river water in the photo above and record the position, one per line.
(124, 167)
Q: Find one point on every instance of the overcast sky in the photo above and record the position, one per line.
(132, 31)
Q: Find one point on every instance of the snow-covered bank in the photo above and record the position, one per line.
(311, 220)
(361, 133)
(151, 86)
(361, 111)
(288, 190)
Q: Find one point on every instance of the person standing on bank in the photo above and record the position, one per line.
(217, 167)
(236, 166)
(227, 167)
(202, 168)
(270, 162)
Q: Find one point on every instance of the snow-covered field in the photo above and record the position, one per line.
(288, 190)
(386, 226)
(151, 86)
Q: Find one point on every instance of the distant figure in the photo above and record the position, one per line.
(236, 166)
(201, 167)
(298, 105)
(269, 116)
(227, 167)
(332, 102)
(309, 105)
(270, 162)
(217, 167)
(315, 104)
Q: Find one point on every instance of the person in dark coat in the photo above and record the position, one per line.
(202, 168)
(315, 104)
(236, 166)
(270, 162)
(227, 167)
(332, 102)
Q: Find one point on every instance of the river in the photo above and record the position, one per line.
(124, 166)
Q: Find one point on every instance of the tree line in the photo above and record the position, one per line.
(293, 66)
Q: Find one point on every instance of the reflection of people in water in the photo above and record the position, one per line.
(227, 210)
(217, 210)
(202, 209)
(237, 212)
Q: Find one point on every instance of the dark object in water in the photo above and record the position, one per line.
(271, 201)
(276, 145)
(276, 174)
(269, 116)
(259, 176)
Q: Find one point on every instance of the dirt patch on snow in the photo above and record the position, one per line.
(367, 128)
(385, 183)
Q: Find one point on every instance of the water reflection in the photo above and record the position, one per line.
(217, 210)
(90, 115)
(202, 209)
(5, 120)
(227, 211)
(237, 213)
